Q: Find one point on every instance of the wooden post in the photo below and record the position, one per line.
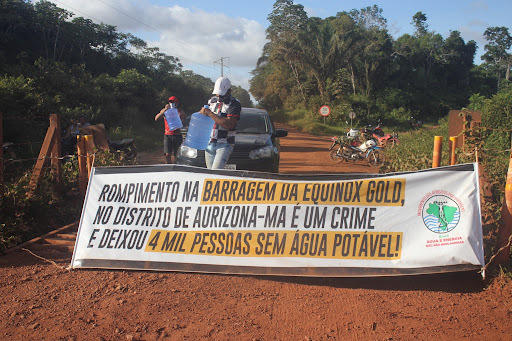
(473, 126)
(464, 127)
(82, 163)
(1, 151)
(56, 167)
(89, 147)
(453, 144)
(436, 157)
(47, 146)
(506, 213)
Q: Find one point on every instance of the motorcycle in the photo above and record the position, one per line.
(414, 123)
(335, 140)
(351, 138)
(125, 148)
(383, 139)
(368, 150)
(8, 151)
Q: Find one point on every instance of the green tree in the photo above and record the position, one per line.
(350, 61)
(497, 49)
(371, 56)
(286, 21)
(51, 21)
(419, 20)
(242, 95)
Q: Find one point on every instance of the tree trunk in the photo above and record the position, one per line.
(320, 86)
(367, 76)
(352, 79)
(63, 49)
(296, 74)
(55, 42)
(45, 42)
(507, 73)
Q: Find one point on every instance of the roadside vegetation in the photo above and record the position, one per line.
(23, 218)
(52, 61)
(492, 140)
(350, 61)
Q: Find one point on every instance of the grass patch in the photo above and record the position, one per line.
(313, 124)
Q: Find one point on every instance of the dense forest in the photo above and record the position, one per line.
(54, 62)
(351, 62)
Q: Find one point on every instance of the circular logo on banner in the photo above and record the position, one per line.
(440, 213)
(324, 110)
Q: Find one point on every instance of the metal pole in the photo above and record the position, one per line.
(221, 62)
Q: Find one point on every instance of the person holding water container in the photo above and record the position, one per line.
(172, 115)
(224, 110)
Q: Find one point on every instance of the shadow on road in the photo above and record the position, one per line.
(456, 282)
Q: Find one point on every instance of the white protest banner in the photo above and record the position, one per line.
(177, 218)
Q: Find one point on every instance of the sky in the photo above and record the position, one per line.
(202, 32)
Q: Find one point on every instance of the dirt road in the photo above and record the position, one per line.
(41, 300)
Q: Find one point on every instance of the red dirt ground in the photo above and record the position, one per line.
(44, 301)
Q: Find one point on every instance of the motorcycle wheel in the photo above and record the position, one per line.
(349, 155)
(131, 153)
(335, 156)
(375, 158)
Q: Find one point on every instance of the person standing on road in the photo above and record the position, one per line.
(225, 110)
(173, 117)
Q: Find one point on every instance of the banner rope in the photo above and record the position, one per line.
(47, 157)
(496, 254)
(20, 143)
(45, 259)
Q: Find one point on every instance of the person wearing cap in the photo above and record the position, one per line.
(173, 117)
(225, 110)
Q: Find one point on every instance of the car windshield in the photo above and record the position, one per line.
(252, 123)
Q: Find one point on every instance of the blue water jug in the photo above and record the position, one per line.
(199, 131)
(173, 119)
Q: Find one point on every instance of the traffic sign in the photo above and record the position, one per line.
(324, 110)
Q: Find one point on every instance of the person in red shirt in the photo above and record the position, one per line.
(173, 116)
